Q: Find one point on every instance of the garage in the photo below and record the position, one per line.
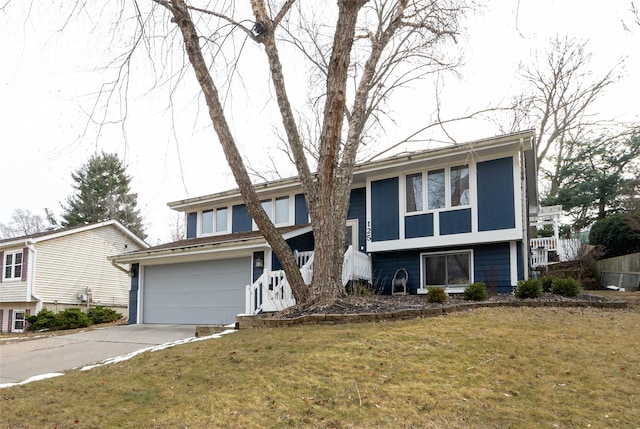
(202, 293)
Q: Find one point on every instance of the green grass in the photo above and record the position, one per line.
(490, 368)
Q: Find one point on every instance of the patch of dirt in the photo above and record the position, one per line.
(390, 303)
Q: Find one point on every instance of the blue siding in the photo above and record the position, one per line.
(300, 243)
(418, 226)
(385, 265)
(240, 219)
(520, 260)
(492, 265)
(133, 294)
(385, 215)
(455, 222)
(357, 210)
(302, 213)
(192, 225)
(496, 208)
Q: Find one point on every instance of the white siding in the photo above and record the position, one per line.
(66, 266)
(13, 290)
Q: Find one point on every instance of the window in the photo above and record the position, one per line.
(18, 321)
(282, 210)
(459, 186)
(436, 189)
(221, 220)
(277, 209)
(207, 222)
(214, 220)
(13, 265)
(414, 192)
(447, 269)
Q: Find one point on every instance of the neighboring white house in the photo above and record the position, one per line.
(63, 268)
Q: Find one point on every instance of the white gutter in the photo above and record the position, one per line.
(31, 270)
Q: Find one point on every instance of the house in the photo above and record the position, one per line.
(63, 268)
(444, 217)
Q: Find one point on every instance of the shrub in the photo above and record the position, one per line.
(566, 287)
(530, 288)
(44, 320)
(437, 294)
(71, 318)
(547, 283)
(101, 314)
(475, 292)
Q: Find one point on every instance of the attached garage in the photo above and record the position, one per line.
(203, 292)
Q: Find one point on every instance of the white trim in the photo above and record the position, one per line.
(481, 237)
(13, 265)
(513, 262)
(13, 320)
(353, 223)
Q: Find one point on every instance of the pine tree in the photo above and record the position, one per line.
(103, 193)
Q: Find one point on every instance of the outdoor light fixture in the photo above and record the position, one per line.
(259, 262)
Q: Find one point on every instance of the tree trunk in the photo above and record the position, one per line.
(190, 36)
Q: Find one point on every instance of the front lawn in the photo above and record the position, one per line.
(486, 368)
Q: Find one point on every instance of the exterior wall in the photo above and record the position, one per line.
(15, 290)
(6, 313)
(491, 264)
(301, 243)
(494, 212)
(68, 265)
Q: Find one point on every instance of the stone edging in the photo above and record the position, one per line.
(266, 321)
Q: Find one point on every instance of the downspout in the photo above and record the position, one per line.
(525, 211)
(31, 270)
(120, 267)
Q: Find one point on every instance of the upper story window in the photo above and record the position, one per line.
(277, 209)
(214, 221)
(13, 265)
(444, 188)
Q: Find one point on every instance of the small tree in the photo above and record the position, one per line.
(103, 192)
(618, 234)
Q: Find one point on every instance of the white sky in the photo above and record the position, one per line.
(48, 79)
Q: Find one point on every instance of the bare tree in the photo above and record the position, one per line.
(559, 104)
(23, 222)
(359, 52)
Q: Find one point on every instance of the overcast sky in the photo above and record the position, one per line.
(50, 72)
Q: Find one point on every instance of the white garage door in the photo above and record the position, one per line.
(206, 292)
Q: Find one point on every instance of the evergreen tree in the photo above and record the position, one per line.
(103, 193)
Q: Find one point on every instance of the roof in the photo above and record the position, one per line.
(221, 242)
(523, 139)
(61, 232)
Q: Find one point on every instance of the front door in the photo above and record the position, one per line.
(351, 234)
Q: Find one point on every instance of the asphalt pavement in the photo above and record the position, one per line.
(20, 360)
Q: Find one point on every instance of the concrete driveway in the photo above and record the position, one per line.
(21, 360)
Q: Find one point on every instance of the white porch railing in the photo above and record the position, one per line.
(272, 292)
(539, 257)
(548, 243)
(356, 266)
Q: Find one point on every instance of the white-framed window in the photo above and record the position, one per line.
(12, 265)
(447, 269)
(214, 220)
(443, 188)
(278, 209)
(18, 321)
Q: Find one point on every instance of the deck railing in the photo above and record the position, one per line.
(272, 292)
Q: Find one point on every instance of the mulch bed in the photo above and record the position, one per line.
(379, 304)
